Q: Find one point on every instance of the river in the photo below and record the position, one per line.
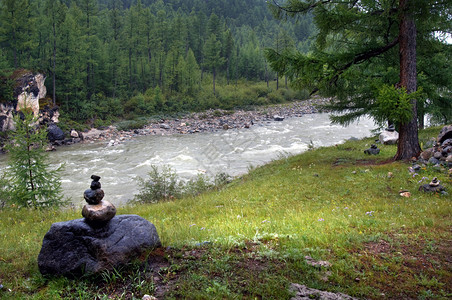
(230, 151)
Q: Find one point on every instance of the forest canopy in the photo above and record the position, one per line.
(107, 57)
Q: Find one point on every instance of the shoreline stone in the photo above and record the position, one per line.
(209, 121)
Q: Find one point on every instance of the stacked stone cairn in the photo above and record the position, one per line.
(434, 186)
(389, 137)
(98, 242)
(97, 211)
(373, 150)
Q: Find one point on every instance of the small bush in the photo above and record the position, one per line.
(165, 184)
(161, 185)
(128, 125)
(275, 97)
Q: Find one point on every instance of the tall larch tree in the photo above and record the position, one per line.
(355, 42)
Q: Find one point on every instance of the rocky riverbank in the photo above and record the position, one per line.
(209, 121)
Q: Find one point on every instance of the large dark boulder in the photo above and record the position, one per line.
(74, 247)
(445, 133)
(54, 133)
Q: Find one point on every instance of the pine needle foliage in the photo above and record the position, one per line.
(32, 182)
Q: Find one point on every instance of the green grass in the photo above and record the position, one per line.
(249, 240)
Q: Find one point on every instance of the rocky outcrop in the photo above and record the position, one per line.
(28, 90)
(441, 152)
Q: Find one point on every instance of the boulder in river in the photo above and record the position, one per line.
(54, 133)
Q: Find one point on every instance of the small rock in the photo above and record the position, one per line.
(321, 263)
(99, 213)
(437, 155)
(433, 161)
(405, 194)
(165, 126)
(278, 118)
(302, 292)
(74, 134)
(93, 197)
(390, 175)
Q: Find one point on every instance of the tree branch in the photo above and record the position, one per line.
(361, 57)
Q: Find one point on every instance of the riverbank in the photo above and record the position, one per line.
(331, 218)
(209, 121)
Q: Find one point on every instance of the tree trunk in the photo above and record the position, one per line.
(214, 75)
(54, 64)
(408, 144)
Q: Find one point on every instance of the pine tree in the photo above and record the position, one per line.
(32, 183)
(352, 59)
(213, 58)
(15, 29)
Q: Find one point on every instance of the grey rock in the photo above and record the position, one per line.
(302, 292)
(389, 137)
(278, 118)
(165, 126)
(427, 154)
(437, 155)
(447, 142)
(74, 247)
(93, 196)
(445, 133)
(54, 133)
(433, 161)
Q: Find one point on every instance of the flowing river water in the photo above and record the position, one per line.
(229, 151)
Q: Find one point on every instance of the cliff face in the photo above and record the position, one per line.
(29, 88)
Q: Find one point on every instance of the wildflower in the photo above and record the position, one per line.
(202, 228)
(423, 178)
(192, 225)
(321, 220)
(369, 213)
(265, 221)
(415, 174)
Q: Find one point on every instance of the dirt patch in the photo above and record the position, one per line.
(405, 266)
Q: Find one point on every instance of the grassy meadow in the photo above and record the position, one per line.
(260, 233)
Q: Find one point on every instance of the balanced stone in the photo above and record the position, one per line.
(372, 150)
(93, 196)
(99, 213)
(434, 186)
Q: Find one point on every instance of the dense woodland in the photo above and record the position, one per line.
(114, 58)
